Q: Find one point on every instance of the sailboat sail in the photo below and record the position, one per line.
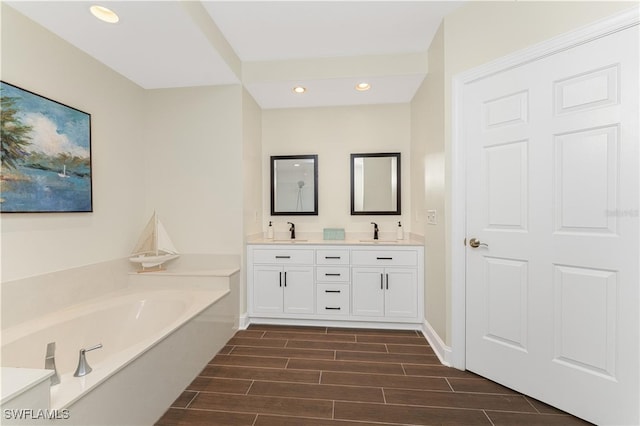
(154, 246)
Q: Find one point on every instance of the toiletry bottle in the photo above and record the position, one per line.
(270, 231)
(400, 232)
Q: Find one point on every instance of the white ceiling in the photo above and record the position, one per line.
(269, 46)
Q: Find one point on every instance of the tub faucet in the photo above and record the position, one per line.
(83, 367)
(50, 363)
(293, 230)
(375, 230)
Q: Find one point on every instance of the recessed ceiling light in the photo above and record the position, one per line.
(104, 14)
(299, 89)
(363, 86)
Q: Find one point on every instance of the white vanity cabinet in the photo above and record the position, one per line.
(385, 283)
(283, 282)
(384, 292)
(339, 284)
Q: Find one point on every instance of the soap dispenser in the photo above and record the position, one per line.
(270, 231)
(400, 232)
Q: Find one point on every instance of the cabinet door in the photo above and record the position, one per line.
(299, 290)
(267, 289)
(401, 293)
(367, 292)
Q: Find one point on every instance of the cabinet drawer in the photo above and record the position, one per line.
(283, 256)
(332, 299)
(332, 257)
(332, 273)
(384, 257)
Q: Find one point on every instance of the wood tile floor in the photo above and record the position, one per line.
(310, 376)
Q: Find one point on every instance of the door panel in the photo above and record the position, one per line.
(507, 182)
(507, 300)
(552, 192)
(367, 291)
(267, 289)
(400, 293)
(586, 170)
(299, 293)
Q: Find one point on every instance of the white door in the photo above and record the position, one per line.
(267, 289)
(299, 293)
(401, 293)
(367, 296)
(552, 190)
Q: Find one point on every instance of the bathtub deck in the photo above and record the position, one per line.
(299, 376)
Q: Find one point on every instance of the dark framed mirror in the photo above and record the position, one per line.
(375, 184)
(294, 185)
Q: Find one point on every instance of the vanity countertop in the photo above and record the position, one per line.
(349, 242)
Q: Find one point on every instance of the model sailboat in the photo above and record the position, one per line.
(154, 246)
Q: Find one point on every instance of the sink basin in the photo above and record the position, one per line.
(379, 241)
(290, 241)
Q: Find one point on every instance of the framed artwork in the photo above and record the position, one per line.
(45, 153)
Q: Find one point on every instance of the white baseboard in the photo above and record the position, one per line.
(243, 322)
(442, 351)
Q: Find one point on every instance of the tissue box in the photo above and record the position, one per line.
(333, 233)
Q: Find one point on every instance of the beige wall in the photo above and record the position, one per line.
(252, 177)
(333, 134)
(428, 190)
(193, 161)
(32, 244)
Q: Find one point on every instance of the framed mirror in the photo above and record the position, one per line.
(294, 185)
(375, 184)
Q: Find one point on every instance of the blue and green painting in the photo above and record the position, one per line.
(45, 153)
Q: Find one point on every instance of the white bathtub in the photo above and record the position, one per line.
(155, 340)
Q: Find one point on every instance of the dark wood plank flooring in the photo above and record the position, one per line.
(280, 375)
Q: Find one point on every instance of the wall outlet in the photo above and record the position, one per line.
(432, 217)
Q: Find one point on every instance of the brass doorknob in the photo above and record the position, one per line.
(475, 243)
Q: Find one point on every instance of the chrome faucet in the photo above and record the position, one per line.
(293, 230)
(50, 363)
(83, 367)
(375, 230)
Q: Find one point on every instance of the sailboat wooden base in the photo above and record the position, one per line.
(152, 263)
(144, 270)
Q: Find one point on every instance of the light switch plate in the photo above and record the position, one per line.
(432, 217)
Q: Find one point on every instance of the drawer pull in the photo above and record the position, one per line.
(332, 257)
(330, 308)
(332, 275)
(384, 258)
(283, 257)
(332, 291)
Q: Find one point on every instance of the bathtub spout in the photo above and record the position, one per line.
(50, 363)
(83, 367)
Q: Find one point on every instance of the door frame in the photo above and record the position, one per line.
(458, 216)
